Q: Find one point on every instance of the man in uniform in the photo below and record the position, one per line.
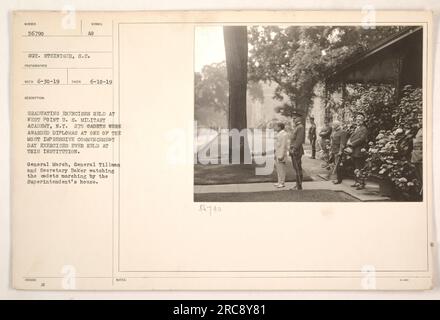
(312, 136)
(357, 141)
(338, 142)
(325, 134)
(296, 146)
(417, 152)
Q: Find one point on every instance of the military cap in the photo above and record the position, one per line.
(359, 114)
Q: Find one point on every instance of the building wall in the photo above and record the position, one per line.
(259, 112)
(318, 107)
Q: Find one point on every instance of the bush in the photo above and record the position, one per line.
(389, 161)
(389, 154)
(377, 103)
(409, 109)
(391, 129)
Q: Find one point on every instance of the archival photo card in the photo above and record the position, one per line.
(221, 150)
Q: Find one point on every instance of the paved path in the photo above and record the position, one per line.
(370, 193)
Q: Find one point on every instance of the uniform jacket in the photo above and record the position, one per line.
(338, 141)
(281, 145)
(297, 139)
(358, 140)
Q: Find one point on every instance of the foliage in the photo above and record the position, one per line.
(388, 160)
(410, 109)
(377, 103)
(211, 92)
(391, 131)
(390, 151)
(211, 88)
(297, 57)
(285, 109)
(255, 91)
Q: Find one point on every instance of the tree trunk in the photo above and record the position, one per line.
(236, 50)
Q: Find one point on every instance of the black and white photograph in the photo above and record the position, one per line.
(308, 113)
(230, 152)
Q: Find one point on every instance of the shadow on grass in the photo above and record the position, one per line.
(212, 174)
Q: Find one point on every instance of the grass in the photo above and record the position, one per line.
(238, 173)
(276, 196)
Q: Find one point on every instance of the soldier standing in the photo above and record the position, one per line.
(312, 136)
(417, 153)
(338, 142)
(325, 135)
(296, 147)
(357, 141)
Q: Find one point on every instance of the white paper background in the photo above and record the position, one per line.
(6, 6)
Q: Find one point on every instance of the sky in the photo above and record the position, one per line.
(209, 46)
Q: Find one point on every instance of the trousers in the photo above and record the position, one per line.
(281, 171)
(313, 143)
(338, 167)
(296, 162)
(359, 163)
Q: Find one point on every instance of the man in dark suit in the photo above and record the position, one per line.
(312, 136)
(357, 141)
(296, 147)
(338, 142)
(325, 134)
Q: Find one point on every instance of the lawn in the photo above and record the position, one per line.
(276, 196)
(238, 173)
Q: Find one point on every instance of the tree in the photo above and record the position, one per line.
(296, 58)
(236, 49)
(255, 90)
(211, 95)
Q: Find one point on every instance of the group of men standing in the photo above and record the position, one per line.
(339, 140)
(334, 134)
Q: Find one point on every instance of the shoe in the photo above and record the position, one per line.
(360, 187)
(280, 185)
(276, 184)
(354, 185)
(337, 182)
(296, 188)
(312, 157)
